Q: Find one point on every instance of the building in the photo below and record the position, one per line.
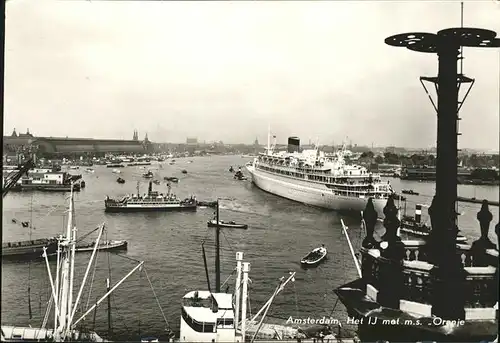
(59, 146)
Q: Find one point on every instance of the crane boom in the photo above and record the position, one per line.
(12, 179)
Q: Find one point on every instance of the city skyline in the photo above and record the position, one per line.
(225, 71)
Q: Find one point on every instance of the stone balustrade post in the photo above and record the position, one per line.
(370, 219)
(478, 248)
(392, 251)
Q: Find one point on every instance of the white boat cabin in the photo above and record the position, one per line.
(208, 317)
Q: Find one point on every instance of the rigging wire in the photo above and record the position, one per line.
(157, 300)
(29, 263)
(92, 280)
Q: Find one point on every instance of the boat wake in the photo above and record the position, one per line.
(242, 208)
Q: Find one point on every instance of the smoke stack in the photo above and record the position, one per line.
(293, 144)
(418, 213)
(150, 188)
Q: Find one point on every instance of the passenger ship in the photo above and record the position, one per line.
(153, 201)
(313, 178)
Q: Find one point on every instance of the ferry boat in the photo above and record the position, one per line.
(153, 201)
(313, 178)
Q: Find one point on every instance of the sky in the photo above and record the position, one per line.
(227, 70)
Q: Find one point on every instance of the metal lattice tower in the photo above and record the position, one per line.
(447, 44)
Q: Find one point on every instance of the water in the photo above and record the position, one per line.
(280, 233)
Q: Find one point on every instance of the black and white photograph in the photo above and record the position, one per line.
(250, 171)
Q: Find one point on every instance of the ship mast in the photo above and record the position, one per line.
(217, 250)
(269, 139)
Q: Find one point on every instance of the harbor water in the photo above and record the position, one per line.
(280, 233)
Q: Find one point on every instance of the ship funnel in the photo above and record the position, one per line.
(293, 144)
(418, 213)
(150, 188)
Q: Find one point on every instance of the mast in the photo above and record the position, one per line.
(64, 306)
(246, 270)
(72, 270)
(137, 188)
(237, 289)
(269, 138)
(217, 251)
(108, 287)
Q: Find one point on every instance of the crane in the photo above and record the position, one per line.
(12, 178)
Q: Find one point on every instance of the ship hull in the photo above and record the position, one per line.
(31, 251)
(44, 188)
(309, 193)
(109, 247)
(121, 209)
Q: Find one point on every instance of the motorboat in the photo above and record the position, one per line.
(106, 245)
(229, 224)
(171, 179)
(409, 191)
(148, 175)
(314, 257)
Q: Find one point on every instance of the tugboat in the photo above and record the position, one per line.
(414, 226)
(239, 175)
(153, 201)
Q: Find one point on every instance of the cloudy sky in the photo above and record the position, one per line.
(226, 70)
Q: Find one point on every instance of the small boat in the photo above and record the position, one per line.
(106, 245)
(239, 175)
(120, 180)
(171, 179)
(148, 175)
(409, 191)
(184, 171)
(314, 257)
(413, 226)
(231, 170)
(89, 170)
(116, 171)
(82, 184)
(156, 182)
(212, 204)
(230, 224)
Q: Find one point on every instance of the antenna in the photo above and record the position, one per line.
(461, 47)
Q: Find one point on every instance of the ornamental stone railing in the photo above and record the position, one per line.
(399, 274)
